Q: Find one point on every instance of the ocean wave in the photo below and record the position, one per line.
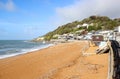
(23, 51)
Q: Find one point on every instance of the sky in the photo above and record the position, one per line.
(28, 19)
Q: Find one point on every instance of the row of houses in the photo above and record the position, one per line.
(94, 35)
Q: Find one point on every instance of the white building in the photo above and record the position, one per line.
(107, 34)
(118, 28)
(78, 26)
(85, 25)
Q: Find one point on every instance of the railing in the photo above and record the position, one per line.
(114, 60)
(111, 63)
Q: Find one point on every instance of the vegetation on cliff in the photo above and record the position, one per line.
(97, 23)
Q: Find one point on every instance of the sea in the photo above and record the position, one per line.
(9, 48)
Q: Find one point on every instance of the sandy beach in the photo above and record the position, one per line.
(62, 61)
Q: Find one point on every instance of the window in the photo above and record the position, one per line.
(97, 37)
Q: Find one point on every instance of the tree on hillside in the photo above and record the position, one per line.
(99, 22)
(90, 28)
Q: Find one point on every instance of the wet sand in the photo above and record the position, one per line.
(62, 61)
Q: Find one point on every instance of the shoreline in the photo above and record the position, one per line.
(61, 61)
(25, 52)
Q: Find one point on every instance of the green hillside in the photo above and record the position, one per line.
(97, 23)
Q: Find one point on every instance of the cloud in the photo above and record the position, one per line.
(81, 9)
(9, 5)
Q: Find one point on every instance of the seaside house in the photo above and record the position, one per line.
(118, 34)
(97, 38)
(107, 34)
(85, 25)
(79, 37)
(64, 36)
(88, 36)
(119, 29)
(91, 24)
(78, 26)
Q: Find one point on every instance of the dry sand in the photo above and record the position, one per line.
(62, 61)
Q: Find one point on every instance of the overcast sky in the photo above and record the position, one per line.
(28, 19)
